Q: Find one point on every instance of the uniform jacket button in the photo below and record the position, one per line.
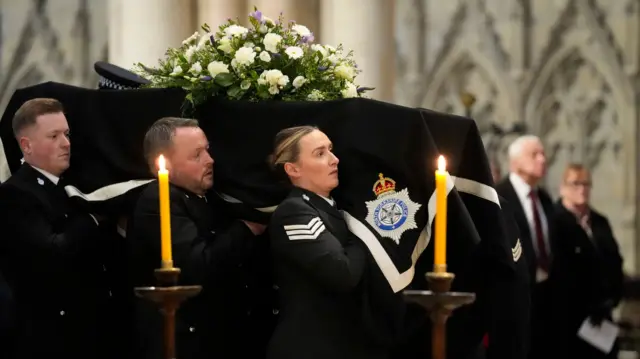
(62, 312)
(275, 287)
(192, 329)
(276, 312)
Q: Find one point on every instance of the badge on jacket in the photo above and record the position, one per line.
(391, 213)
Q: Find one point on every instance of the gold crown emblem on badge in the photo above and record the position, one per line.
(384, 185)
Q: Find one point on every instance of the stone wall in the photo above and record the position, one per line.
(566, 70)
(44, 40)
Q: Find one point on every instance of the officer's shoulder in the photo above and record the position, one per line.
(293, 202)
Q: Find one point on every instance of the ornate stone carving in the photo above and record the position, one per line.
(563, 70)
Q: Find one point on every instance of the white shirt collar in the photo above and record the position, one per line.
(329, 200)
(49, 176)
(521, 187)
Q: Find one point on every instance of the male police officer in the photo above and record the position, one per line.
(50, 250)
(220, 322)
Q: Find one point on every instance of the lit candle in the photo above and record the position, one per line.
(440, 246)
(165, 213)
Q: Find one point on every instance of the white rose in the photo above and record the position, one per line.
(273, 90)
(245, 56)
(272, 76)
(217, 67)
(349, 90)
(299, 81)
(248, 44)
(196, 68)
(235, 30)
(225, 45)
(320, 49)
(345, 71)
(262, 81)
(189, 53)
(263, 29)
(283, 81)
(294, 52)
(330, 48)
(271, 42)
(264, 56)
(301, 30)
(177, 70)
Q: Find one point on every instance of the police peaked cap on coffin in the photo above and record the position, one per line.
(108, 129)
(113, 77)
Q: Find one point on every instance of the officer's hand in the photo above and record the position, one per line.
(256, 228)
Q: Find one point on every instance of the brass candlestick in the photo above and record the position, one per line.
(439, 302)
(168, 296)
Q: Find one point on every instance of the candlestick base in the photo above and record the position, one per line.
(168, 296)
(439, 302)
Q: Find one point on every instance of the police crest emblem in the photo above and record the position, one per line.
(391, 213)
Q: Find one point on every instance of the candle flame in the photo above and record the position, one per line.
(162, 163)
(442, 163)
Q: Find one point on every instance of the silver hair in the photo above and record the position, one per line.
(515, 148)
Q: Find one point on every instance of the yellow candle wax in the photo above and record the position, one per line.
(165, 214)
(440, 246)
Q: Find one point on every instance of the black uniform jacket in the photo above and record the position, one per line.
(319, 265)
(51, 257)
(230, 317)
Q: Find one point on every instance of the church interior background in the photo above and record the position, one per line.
(565, 70)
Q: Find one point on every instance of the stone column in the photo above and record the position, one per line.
(366, 27)
(304, 12)
(142, 30)
(216, 12)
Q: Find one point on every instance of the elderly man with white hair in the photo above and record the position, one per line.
(533, 211)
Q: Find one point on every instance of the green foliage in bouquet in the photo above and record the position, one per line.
(267, 61)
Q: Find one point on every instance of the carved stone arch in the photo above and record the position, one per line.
(507, 90)
(622, 90)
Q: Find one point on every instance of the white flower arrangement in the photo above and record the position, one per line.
(267, 61)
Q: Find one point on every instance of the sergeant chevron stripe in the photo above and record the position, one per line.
(311, 230)
(517, 251)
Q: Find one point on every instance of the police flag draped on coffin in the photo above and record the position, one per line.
(382, 148)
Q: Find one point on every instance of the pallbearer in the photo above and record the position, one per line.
(319, 264)
(51, 251)
(226, 320)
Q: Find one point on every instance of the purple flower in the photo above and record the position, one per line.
(322, 68)
(213, 41)
(276, 55)
(307, 39)
(363, 89)
(257, 15)
(205, 78)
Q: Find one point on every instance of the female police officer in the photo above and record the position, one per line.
(318, 263)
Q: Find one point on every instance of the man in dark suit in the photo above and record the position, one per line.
(533, 212)
(587, 273)
(224, 320)
(50, 250)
